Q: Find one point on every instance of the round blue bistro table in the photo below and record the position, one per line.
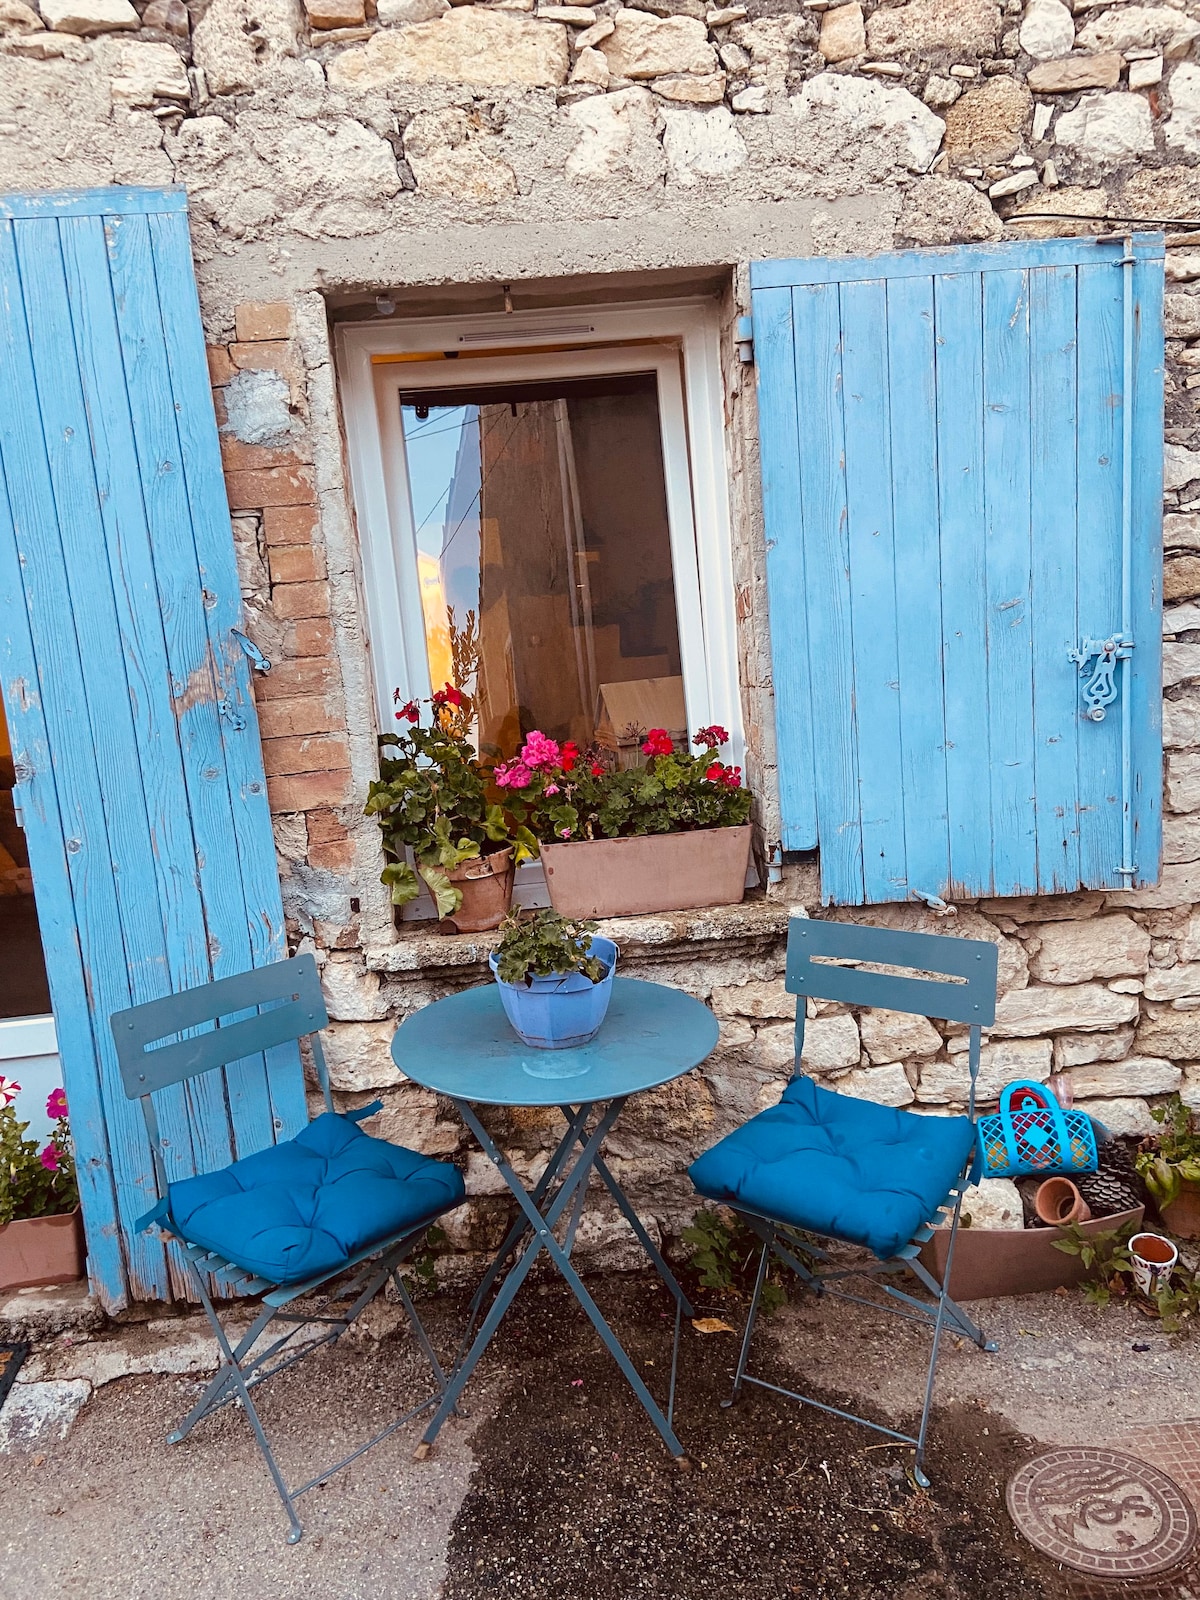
(464, 1048)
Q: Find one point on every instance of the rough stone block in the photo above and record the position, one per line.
(702, 144)
(830, 1044)
(1048, 30)
(692, 88)
(985, 125)
(1077, 1049)
(89, 16)
(335, 13)
(949, 1082)
(1024, 1013)
(1181, 530)
(468, 45)
(144, 73)
(758, 998)
(1173, 1035)
(889, 1036)
(843, 33)
(1180, 886)
(886, 1085)
(18, 18)
(1129, 1117)
(358, 1055)
(844, 112)
(645, 46)
(1136, 1075)
(1182, 130)
(392, 12)
(994, 1203)
(966, 26)
(1107, 129)
(1181, 316)
(1136, 27)
(1072, 73)
(1173, 983)
(38, 1414)
(774, 1048)
(1102, 947)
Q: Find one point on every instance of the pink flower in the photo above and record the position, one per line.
(9, 1090)
(732, 778)
(565, 833)
(513, 774)
(49, 1158)
(551, 788)
(658, 743)
(539, 753)
(712, 737)
(56, 1105)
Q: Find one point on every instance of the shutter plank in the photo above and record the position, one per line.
(1053, 421)
(1007, 524)
(816, 317)
(779, 441)
(1145, 667)
(873, 588)
(1099, 456)
(284, 1111)
(913, 408)
(26, 440)
(958, 302)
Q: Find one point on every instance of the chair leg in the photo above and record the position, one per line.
(751, 1318)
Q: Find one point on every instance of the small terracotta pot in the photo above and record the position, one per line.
(1058, 1203)
(487, 885)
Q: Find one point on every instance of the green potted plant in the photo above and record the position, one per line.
(669, 835)
(40, 1237)
(555, 978)
(1171, 1167)
(432, 798)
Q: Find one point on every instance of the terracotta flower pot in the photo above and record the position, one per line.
(1182, 1216)
(653, 872)
(41, 1250)
(1058, 1202)
(487, 885)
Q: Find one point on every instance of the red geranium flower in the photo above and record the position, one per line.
(712, 737)
(568, 755)
(449, 696)
(597, 770)
(715, 773)
(732, 778)
(411, 711)
(658, 743)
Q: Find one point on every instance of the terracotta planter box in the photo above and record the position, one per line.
(996, 1261)
(1182, 1216)
(655, 872)
(41, 1250)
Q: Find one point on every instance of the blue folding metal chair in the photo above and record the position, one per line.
(285, 1221)
(826, 1164)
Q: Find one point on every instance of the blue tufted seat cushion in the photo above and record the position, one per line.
(845, 1168)
(304, 1207)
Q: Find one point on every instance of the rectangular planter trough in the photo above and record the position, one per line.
(996, 1261)
(653, 872)
(41, 1250)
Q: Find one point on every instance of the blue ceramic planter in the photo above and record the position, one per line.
(563, 1010)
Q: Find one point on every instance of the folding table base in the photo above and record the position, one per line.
(532, 1234)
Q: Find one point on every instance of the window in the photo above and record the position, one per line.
(547, 527)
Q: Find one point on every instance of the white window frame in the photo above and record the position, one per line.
(679, 341)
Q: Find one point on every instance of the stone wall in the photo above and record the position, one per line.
(412, 149)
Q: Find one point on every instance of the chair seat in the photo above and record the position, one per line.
(841, 1167)
(305, 1207)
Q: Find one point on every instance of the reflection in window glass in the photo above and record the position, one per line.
(544, 557)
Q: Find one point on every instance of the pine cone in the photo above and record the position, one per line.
(1116, 1184)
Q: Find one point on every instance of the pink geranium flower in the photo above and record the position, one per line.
(56, 1105)
(513, 774)
(49, 1158)
(712, 737)
(539, 753)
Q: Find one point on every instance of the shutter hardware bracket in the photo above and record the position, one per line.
(1100, 688)
(744, 339)
(257, 660)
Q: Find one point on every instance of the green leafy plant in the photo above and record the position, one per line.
(421, 1274)
(1175, 1156)
(538, 944)
(40, 1181)
(433, 797)
(1109, 1272)
(724, 1256)
(562, 795)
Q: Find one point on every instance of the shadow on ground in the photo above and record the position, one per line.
(574, 1498)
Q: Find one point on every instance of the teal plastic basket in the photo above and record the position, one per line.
(1031, 1133)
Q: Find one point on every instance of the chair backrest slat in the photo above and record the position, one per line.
(291, 988)
(974, 961)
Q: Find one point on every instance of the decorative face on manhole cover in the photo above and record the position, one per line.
(1102, 1512)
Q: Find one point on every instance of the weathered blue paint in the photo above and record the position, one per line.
(975, 487)
(151, 846)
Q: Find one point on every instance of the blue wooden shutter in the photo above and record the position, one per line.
(962, 484)
(134, 734)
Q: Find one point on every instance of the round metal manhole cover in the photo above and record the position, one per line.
(1102, 1512)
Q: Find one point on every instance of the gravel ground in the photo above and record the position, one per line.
(555, 1487)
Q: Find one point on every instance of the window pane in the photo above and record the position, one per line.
(545, 558)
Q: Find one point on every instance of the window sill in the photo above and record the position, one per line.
(756, 921)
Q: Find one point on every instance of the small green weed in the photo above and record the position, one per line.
(724, 1256)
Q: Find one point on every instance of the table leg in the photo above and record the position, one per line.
(544, 1239)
